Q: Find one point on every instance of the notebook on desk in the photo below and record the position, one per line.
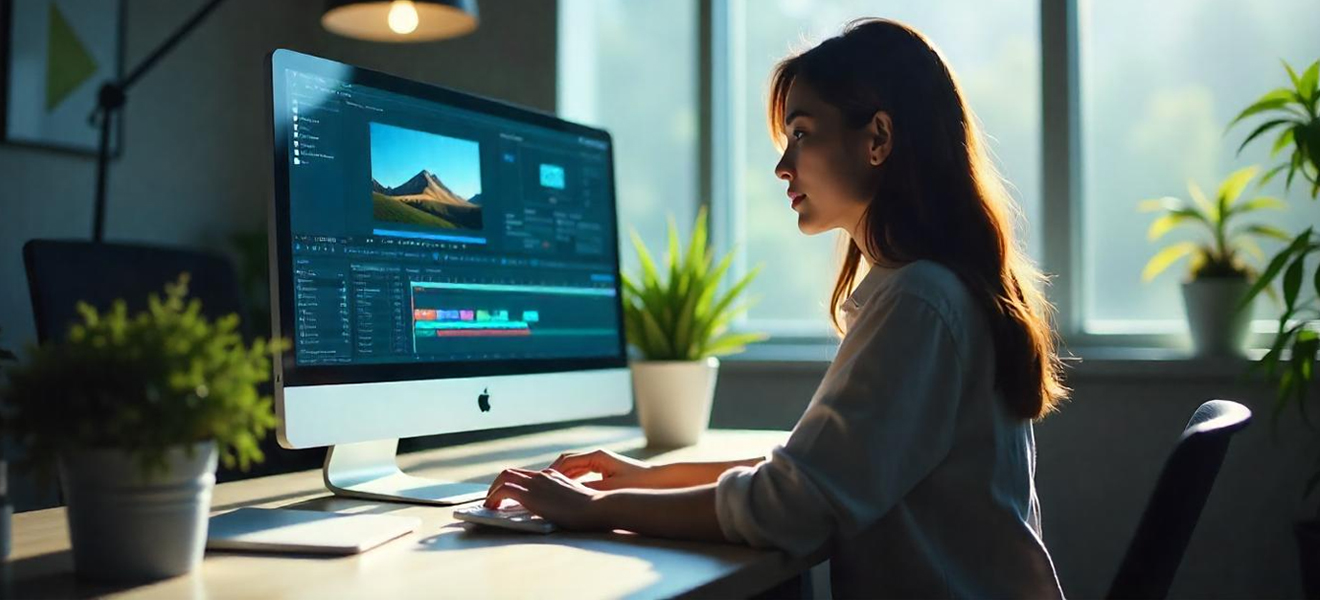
(304, 531)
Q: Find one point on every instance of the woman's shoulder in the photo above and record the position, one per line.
(935, 285)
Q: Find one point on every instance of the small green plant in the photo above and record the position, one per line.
(679, 317)
(1296, 110)
(144, 383)
(1220, 256)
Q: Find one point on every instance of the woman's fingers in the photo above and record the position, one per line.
(506, 476)
(557, 476)
(575, 464)
(506, 490)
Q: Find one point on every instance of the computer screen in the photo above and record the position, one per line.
(422, 235)
(425, 232)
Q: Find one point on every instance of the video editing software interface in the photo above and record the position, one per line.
(423, 232)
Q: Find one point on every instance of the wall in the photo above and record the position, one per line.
(1099, 457)
(196, 164)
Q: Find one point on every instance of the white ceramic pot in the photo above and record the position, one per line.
(126, 527)
(1218, 329)
(674, 399)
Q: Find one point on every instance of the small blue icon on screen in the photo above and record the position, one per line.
(552, 176)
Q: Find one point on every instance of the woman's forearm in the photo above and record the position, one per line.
(689, 474)
(686, 513)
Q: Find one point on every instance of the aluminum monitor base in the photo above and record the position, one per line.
(369, 470)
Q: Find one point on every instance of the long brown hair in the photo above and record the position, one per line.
(939, 198)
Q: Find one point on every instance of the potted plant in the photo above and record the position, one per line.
(134, 410)
(1294, 112)
(1218, 277)
(678, 323)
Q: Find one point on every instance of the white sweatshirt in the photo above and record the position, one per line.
(906, 461)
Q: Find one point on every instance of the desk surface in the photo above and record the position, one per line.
(444, 558)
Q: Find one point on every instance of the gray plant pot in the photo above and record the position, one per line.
(1218, 329)
(127, 527)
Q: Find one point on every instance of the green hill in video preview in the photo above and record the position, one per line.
(425, 200)
(388, 208)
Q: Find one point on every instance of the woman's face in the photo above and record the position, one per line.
(831, 169)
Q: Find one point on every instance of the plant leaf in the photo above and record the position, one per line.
(1232, 186)
(1166, 257)
(1269, 175)
(1316, 282)
(1292, 75)
(1292, 280)
(1276, 264)
(1306, 85)
(1166, 203)
(1282, 141)
(1264, 127)
(1199, 198)
(1274, 99)
(1261, 203)
(1263, 230)
(1167, 222)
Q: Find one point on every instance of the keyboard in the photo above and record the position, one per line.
(516, 517)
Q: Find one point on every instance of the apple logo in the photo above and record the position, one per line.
(483, 401)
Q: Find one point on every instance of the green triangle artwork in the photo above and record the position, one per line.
(68, 62)
(59, 54)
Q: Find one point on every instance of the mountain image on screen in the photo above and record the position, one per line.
(425, 200)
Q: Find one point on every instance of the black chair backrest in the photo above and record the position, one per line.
(1174, 508)
(63, 273)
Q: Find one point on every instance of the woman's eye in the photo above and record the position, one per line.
(797, 134)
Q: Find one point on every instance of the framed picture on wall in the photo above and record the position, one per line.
(54, 56)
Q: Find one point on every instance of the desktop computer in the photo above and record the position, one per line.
(441, 263)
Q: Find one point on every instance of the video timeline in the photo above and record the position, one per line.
(495, 319)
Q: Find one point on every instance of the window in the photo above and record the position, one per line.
(624, 59)
(1159, 83)
(993, 48)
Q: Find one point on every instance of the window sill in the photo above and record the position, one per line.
(1092, 362)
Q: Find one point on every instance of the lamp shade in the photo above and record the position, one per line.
(400, 20)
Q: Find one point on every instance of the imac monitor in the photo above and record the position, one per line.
(441, 263)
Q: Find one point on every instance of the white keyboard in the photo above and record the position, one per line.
(516, 517)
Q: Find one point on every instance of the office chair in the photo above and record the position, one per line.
(61, 273)
(1157, 548)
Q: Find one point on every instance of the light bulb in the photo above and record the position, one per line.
(403, 17)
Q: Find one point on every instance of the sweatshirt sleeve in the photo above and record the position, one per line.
(882, 419)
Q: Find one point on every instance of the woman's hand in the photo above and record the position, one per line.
(552, 495)
(616, 471)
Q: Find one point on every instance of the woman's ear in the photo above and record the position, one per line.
(880, 130)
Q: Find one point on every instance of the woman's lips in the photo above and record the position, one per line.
(796, 198)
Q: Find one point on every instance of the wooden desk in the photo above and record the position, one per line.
(444, 558)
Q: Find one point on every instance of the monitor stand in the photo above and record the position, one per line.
(369, 470)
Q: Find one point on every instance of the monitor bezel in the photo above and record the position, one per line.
(288, 371)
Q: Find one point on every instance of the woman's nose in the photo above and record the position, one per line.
(784, 169)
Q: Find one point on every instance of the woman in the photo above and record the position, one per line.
(914, 462)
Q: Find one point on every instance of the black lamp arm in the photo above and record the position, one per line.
(111, 98)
